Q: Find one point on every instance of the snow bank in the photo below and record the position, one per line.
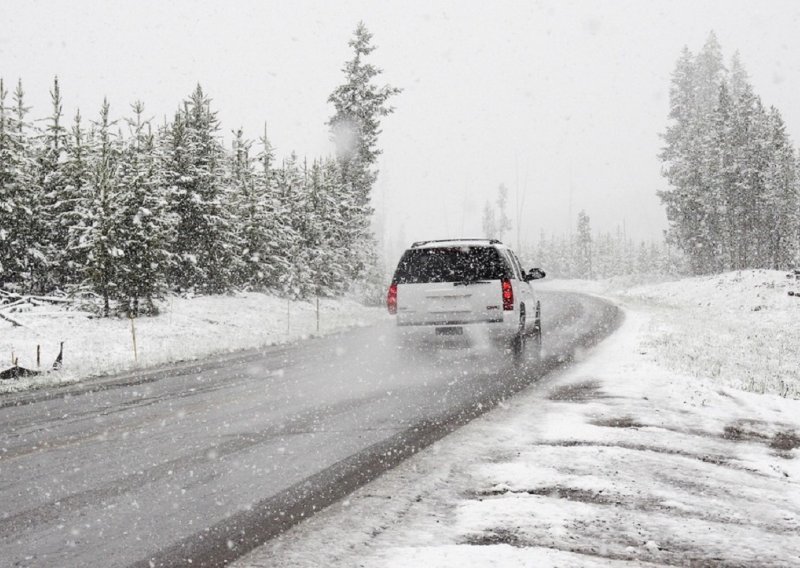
(741, 329)
(187, 329)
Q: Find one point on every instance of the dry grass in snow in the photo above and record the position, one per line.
(741, 329)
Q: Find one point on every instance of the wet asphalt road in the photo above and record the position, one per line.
(198, 464)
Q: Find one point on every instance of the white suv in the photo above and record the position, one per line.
(466, 285)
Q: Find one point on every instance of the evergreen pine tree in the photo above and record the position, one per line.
(489, 222)
(275, 228)
(690, 156)
(584, 246)
(781, 202)
(249, 228)
(27, 245)
(205, 242)
(8, 191)
(359, 105)
(97, 233)
(76, 200)
(503, 222)
(140, 220)
(328, 260)
(292, 203)
(738, 79)
(731, 168)
(53, 207)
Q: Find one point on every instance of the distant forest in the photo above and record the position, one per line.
(124, 211)
(597, 255)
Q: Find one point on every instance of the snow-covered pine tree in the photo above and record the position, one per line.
(8, 191)
(677, 154)
(276, 231)
(315, 229)
(603, 256)
(489, 221)
(54, 206)
(204, 246)
(709, 74)
(541, 256)
(76, 200)
(750, 133)
(583, 251)
(724, 183)
(335, 280)
(688, 155)
(247, 229)
(731, 169)
(176, 163)
(359, 105)
(709, 70)
(29, 254)
(495, 218)
(324, 234)
(295, 281)
(656, 258)
(503, 222)
(142, 227)
(738, 79)
(781, 203)
(97, 231)
(643, 259)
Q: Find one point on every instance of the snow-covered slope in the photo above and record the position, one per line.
(741, 329)
(188, 328)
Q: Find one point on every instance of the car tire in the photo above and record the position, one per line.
(536, 333)
(520, 339)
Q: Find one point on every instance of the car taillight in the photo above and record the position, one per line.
(508, 295)
(391, 299)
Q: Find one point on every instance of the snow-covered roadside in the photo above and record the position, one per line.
(620, 461)
(740, 329)
(186, 329)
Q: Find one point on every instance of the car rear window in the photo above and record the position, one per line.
(460, 264)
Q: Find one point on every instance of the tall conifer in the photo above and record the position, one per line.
(359, 106)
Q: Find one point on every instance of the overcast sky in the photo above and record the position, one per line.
(555, 99)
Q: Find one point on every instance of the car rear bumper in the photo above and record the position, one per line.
(509, 317)
(447, 329)
(448, 321)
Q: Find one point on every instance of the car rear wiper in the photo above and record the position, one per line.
(468, 282)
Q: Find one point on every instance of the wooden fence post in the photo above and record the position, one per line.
(133, 334)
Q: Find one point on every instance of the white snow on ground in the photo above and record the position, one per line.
(743, 329)
(188, 328)
(740, 329)
(620, 461)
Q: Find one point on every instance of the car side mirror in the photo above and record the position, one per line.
(535, 274)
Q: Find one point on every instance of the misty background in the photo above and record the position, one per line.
(561, 101)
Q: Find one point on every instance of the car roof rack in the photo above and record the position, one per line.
(490, 241)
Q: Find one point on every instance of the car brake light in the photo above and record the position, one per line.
(508, 295)
(391, 299)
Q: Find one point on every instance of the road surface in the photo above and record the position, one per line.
(198, 464)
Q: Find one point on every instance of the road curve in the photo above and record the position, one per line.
(198, 464)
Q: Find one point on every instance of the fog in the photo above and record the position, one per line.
(561, 101)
